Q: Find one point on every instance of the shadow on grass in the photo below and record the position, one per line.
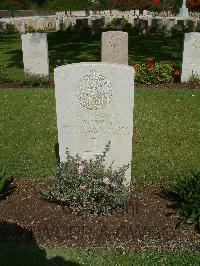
(16, 59)
(10, 46)
(18, 247)
(156, 46)
(73, 47)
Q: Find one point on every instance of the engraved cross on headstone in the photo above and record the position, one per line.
(93, 149)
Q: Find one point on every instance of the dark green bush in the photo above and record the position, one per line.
(4, 76)
(30, 29)
(33, 80)
(187, 200)
(10, 29)
(5, 182)
(118, 24)
(87, 187)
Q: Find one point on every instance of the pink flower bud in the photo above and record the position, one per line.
(106, 180)
(114, 184)
(80, 169)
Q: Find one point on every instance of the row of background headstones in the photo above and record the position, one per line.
(114, 50)
(96, 24)
(35, 50)
(27, 13)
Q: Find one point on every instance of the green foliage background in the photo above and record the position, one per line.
(87, 4)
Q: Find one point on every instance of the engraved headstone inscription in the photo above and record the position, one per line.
(35, 53)
(94, 105)
(191, 56)
(114, 47)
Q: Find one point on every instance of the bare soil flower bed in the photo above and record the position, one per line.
(143, 224)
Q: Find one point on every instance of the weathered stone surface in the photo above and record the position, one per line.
(35, 53)
(191, 56)
(94, 105)
(50, 23)
(66, 23)
(81, 13)
(114, 47)
(169, 24)
(160, 25)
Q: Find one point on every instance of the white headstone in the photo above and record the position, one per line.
(191, 56)
(94, 105)
(19, 24)
(61, 14)
(137, 12)
(50, 23)
(66, 23)
(183, 12)
(114, 47)
(145, 13)
(35, 53)
(80, 13)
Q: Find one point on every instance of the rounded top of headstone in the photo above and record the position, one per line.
(115, 32)
(95, 64)
(34, 34)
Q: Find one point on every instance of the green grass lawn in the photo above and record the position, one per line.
(38, 256)
(73, 48)
(166, 133)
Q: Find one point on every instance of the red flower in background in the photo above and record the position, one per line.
(150, 65)
(149, 59)
(193, 4)
(174, 65)
(155, 2)
(176, 73)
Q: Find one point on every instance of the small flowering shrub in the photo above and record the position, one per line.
(60, 62)
(34, 80)
(194, 79)
(87, 187)
(153, 72)
(4, 77)
(10, 29)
